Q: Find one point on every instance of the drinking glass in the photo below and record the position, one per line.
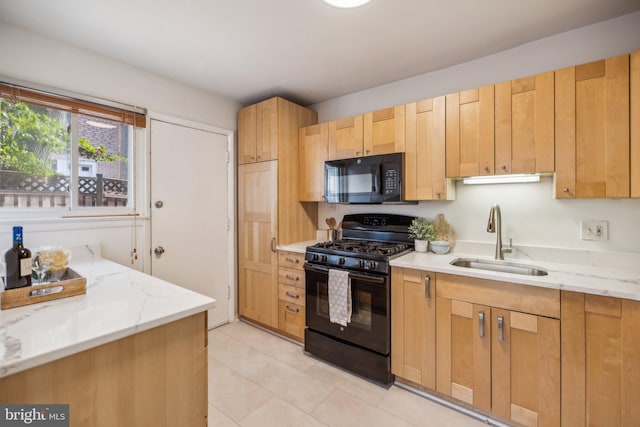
(39, 266)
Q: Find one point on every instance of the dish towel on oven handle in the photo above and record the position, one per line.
(339, 297)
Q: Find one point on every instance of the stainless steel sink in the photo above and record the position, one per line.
(501, 266)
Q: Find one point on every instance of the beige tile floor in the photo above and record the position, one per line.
(259, 379)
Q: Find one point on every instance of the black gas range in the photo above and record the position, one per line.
(363, 344)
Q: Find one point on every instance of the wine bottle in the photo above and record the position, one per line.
(18, 262)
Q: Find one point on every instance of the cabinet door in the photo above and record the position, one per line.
(413, 320)
(384, 131)
(635, 123)
(525, 375)
(267, 130)
(425, 151)
(313, 152)
(345, 138)
(524, 125)
(600, 361)
(470, 132)
(464, 351)
(247, 134)
(258, 262)
(592, 129)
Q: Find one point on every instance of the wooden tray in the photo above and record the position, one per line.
(72, 284)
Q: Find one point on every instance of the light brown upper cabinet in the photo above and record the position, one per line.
(425, 152)
(346, 138)
(524, 138)
(384, 131)
(258, 132)
(592, 129)
(470, 132)
(635, 124)
(312, 153)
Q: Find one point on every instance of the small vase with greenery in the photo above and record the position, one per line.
(422, 230)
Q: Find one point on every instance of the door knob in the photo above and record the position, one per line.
(159, 204)
(159, 250)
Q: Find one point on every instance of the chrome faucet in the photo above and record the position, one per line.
(495, 224)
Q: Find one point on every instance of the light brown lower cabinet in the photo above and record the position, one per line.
(496, 344)
(156, 377)
(413, 326)
(291, 294)
(600, 361)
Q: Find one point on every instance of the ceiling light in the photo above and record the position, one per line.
(502, 179)
(100, 125)
(346, 4)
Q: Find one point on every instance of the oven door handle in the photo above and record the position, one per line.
(375, 279)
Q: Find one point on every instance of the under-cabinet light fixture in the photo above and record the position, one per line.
(346, 4)
(502, 179)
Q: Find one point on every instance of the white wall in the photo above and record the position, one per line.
(32, 58)
(601, 40)
(531, 216)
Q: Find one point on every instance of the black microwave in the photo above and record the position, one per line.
(371, 179)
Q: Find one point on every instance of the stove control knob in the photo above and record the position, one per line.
(324, 258)
(341, 261)
(372, 265)
(315, 257)
(361, 263)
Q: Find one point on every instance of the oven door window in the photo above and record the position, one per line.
(369, 326)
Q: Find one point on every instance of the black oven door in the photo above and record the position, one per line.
(370, 320)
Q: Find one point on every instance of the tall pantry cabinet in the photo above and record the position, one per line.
(269, 213)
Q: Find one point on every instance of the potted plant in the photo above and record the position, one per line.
(422, 230)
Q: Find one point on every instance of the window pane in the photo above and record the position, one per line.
(103, 164)
(34, 156)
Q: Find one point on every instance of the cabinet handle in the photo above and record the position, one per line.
(357, 153)
(481, 324)
(292, 310)
(294, 278)
(503, 167)
(486, 169)
(273, 244)
(427, 286)
(366, 152)
(438, 195)
(500, 328)
(292, 295)
(293, 260)
(565, 190)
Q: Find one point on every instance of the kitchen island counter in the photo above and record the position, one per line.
(119, 302)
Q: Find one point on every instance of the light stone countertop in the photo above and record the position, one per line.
(607, 274)
(119, 302)
(298, 247)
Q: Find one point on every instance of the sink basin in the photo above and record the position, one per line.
(498, 265)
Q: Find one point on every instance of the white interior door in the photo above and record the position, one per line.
(189, 211)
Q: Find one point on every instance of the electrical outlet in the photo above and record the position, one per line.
(594, 230)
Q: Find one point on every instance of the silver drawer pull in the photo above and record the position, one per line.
(291, 295)
(481, 323)
(427, 286)
(500, 328)
(293, 260)
(294, 278)
(292, 310)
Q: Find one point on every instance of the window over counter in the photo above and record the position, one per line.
(61, 153)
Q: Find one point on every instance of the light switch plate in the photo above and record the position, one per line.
(594, 230)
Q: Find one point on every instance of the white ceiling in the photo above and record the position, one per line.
(304, 50)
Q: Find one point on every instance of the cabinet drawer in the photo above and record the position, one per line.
(290, 260)
(291, 294)
(291, 319)
(291, 277)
